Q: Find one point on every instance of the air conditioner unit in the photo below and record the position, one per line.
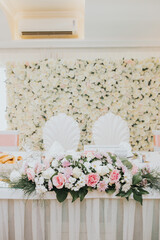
(47, 28)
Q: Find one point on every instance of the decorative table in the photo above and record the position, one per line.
(98, 217)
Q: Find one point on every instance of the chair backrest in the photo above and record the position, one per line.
(110, 129)
(63, 129)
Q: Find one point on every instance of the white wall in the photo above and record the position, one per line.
(134, 21)
(5, 33)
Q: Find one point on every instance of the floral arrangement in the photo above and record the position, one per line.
(85, 90)
(78, 173)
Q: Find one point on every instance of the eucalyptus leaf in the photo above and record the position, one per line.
(137, 178)
(127, 163)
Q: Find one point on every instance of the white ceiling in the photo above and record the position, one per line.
(107, 22)
(15, 6)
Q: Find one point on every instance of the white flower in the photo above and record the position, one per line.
(89, 156)
(68, 185)
(41, 180)
(32, 163)
(126, 187)
(96, 164)
(102, 170)
(72, 180)
(40, 189)
(48, 173)
(110, 166)
(54, 163)
(15, 176)
(128, 177)
(77, 172)
(81, 182)
(87, 165)
(106, 179)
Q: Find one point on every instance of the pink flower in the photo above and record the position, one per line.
(59, 180)
(66, 163)
(114, 176)
(67, 172)
(30, 174)
(98, 155)
(92, 179)
(50, 185)
(134, 169)
(38, 168)
(102, 185)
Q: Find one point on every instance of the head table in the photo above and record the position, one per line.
(98, 217)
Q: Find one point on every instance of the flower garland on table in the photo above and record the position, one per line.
(79, 173)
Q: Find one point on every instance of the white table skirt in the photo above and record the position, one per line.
(98, 217)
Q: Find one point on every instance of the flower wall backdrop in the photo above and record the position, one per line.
(85, 90)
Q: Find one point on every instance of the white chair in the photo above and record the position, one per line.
(110, 129)
(62, 129)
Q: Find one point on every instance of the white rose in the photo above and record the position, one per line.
(47, 174)
(76, 172)
(15, 176)
(102, 170)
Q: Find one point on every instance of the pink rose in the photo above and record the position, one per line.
(66, 163)
(114, 176)
(59, 180)
(38, 168)
(134, 169)
(30, 174)
(102, 186)
(92, 179)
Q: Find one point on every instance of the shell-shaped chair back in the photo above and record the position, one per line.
(110, 129)
(63, 129)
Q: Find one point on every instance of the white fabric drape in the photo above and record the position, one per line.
(93, 219)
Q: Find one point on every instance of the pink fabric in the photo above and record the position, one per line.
(9, 140)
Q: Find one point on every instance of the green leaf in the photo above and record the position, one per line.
(137, 178)
(138, 198)
(82, 193)
(142, 191)
(74, 195)
(68, 157)
(127, 163)
(125, 194)
(61, 194)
